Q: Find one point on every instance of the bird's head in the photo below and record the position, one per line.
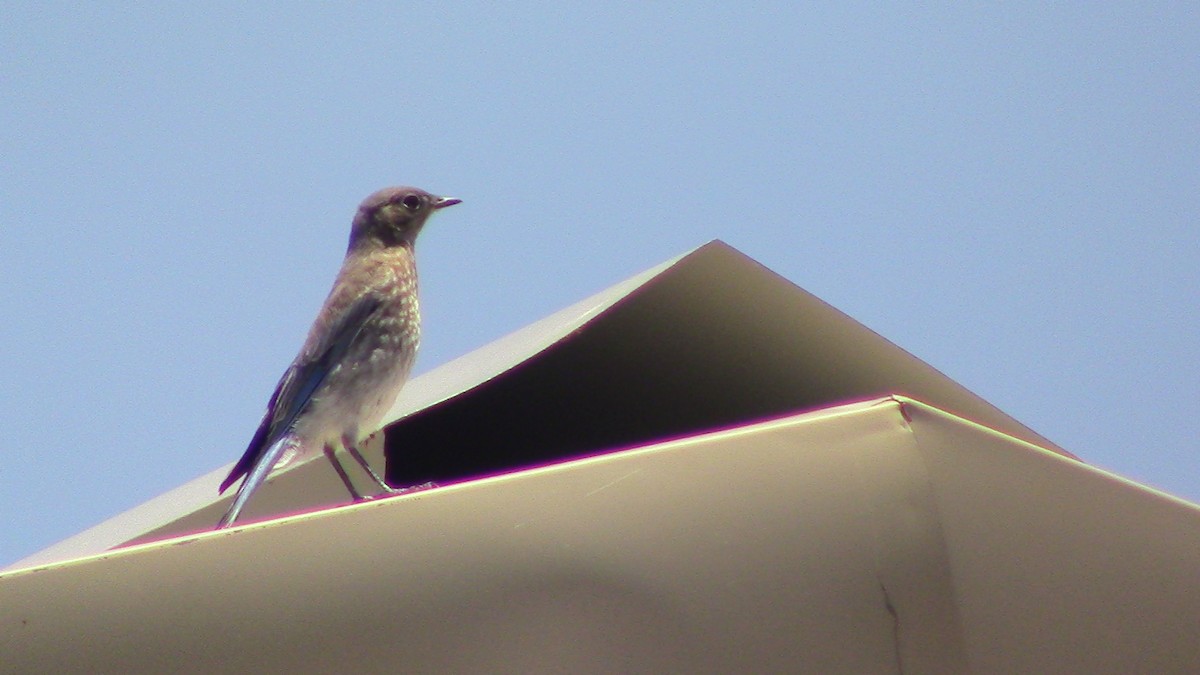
(394, 216)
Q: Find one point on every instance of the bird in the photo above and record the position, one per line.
(358, 353)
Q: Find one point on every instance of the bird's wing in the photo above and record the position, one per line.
(303, 378)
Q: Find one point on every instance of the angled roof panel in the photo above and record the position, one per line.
(707, 340)
(872, 537)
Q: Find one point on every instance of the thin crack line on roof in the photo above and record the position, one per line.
(887, 602)
(613, 482)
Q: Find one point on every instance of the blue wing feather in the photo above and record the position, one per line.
(296, 389)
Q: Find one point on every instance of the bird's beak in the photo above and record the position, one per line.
(443, 202)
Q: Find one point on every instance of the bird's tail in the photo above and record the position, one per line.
(256, 476)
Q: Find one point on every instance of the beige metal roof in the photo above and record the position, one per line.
(706, 340)
(796, 494)
(885, 536)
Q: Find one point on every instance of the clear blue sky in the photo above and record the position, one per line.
(1010, 193)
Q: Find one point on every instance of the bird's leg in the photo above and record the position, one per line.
(384, 488)
(341, 472)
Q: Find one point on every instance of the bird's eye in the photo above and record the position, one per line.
(412, 202)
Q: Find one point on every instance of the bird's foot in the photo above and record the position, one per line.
(396, 492)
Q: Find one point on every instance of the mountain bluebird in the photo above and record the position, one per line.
(358, 353)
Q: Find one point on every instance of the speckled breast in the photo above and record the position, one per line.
(351, 402)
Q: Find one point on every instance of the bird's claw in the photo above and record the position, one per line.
(396, 492)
